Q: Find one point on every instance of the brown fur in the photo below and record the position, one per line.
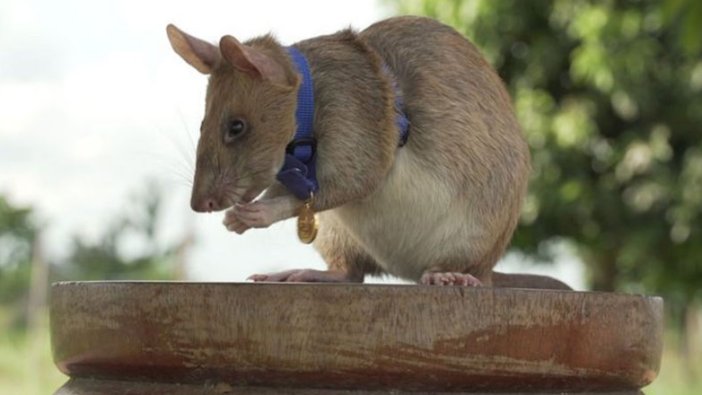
(354, 119)
(269, 110)
(465, 156)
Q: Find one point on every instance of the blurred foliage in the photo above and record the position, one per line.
(609, 94)
(26, 366)
(688, 15)
(17, 233)
(127, 249)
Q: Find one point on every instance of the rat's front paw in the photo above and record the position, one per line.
(233, 223)
(250, 215)
(260, 214)
(303, 276)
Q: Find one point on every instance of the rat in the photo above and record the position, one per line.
(439, 208)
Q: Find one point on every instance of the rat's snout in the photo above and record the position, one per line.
(205, 196)
(208, 193)
(204, 204)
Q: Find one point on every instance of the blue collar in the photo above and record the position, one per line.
(298, 173)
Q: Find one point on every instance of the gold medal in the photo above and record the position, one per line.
(307, 224)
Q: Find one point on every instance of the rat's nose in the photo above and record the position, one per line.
(204, 205)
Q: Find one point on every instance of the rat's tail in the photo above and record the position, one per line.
(511, 280)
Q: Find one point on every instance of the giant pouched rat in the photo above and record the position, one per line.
(440, 209)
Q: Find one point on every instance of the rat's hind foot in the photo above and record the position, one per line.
(303, 276)
(450, 278)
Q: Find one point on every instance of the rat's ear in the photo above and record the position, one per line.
(252, 61)
(198, 53)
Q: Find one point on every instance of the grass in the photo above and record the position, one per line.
(677, 376)
(26, 367)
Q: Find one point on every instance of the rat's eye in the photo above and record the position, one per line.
(234, 129)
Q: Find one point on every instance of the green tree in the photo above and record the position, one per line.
(17, 233)
(128, 249)
(609, 94)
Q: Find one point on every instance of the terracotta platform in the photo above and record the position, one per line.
(211, 338)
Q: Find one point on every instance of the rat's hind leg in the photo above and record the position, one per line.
(450, 278)
(469, 267)
(346, 260)
(458, 272)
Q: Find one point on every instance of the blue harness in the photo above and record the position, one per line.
(298, 173)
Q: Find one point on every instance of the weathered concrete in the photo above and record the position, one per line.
(219, 338)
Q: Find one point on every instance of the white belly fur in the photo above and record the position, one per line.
(412, 221)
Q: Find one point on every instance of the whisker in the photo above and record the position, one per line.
(180, 179)
(249, 175)
(186, 155)
(172, 166)
(181, 116)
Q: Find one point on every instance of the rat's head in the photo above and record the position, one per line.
(249, 116)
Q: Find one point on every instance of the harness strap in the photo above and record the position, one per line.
(298, 173)
(401, 119)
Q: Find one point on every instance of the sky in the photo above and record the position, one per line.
(94, 104)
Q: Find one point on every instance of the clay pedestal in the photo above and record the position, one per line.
(210, 338)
